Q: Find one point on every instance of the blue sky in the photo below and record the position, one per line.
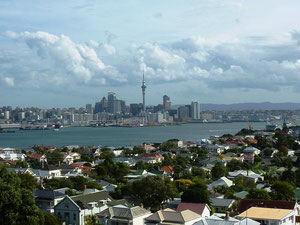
(69, 53)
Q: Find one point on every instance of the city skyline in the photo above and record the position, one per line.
(63, 54)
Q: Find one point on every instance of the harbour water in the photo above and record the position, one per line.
(119, 136)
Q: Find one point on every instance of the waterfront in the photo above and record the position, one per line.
(118, 136)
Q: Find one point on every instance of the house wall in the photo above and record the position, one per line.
(140, 220)
(68, 212)
(206, 212)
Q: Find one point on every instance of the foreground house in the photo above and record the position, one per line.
(221, 204)
(74, 210)
(47, 199)
(270, 216)
(214, 220)
(121, 214)
(200, 208)
(169, 216)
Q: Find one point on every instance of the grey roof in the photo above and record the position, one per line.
(221, 202)
(124, 212)
(91, 197)
(47, 194)
(231, 221)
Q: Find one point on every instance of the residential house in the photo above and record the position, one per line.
(68, 159)
(40, 158)
(247, 174)
(270, 216)
(47, 199)
(223, 181)
(168, 169)
(216, 149)
(152, 157)
(251, 150)
(221, 204)
(169, 216)
(200, 208)
(123, 215)
(248, 203)
(214, 220)
(74, 210)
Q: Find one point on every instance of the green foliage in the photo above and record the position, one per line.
(219, 170)
(92, 220)
(107, 154)
(17, 204)
(258, 194)
(167, 146)
(152, 191)
(51, 219)
(243, 184)
(138, 150)
(235, 164)
(54, 157)
(196, 193)
(282, 190)
(244, 132)
(28, 181)
(114, 172)
(289, 176)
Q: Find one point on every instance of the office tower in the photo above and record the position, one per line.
(195, 111)
(6, 115)
(135, 109)
(111, 98)
(89, 108)
(183, 112)
(117, 106)
(166, 102)
(21, 116)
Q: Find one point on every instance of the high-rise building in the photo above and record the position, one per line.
(89, 108)
(117, 106)
(183, 112)
(195, 111)
(6, 115)
(111, 98)
(166, 102)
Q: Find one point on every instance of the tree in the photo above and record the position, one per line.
(152, 191)
(28, 181)
(51, 219)
(17, 204)
(282, 190)
(196, 193)
(234, 164)
(258, 194)
(289, 176)
(54, 157)
(219, 170)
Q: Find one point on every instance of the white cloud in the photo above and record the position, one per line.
(9, 81)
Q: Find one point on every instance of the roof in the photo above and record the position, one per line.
(92, 197)
(241, 195)
(248, 203)
(195, 207)
(82, 166)
(47, 194)
(168, 169)
(155, 155)
(173, 217)
(265, 213)
(35, 156)
(124, 212)
(221, 202)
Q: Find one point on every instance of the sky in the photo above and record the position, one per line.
(72, 52)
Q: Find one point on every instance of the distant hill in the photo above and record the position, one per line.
(250, 106)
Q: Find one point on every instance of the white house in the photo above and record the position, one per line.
(200, 208)
(121, 214)
(223, 181)
(251, 150)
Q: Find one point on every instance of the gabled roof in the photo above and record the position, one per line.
(195, 207)
(248, 203)
(265, 213)
(152, 155)
(47, 194)
(124, 212)
(173, 217)
(92, 197)
(168, 169)
(221, 202)
(35, 156)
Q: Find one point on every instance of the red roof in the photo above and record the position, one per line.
(35, 156)
(195, 207)
(248, 203)
(248, 156)
(86, 168)
(153, 155)
(297, 219)
(168, 169)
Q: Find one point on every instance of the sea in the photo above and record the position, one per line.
(119, 136)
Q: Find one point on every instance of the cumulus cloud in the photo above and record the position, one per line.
(216, 64)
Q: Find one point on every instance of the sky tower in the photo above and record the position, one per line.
(143, 91)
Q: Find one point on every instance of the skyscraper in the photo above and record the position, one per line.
(166, 102)
(111, 98)
(195, 111)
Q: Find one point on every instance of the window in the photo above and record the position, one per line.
(67, 206)
(74, 216)
(59, 215)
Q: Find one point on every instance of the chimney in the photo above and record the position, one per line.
(227, 216)
(247, 173)
(142, 205)
(85, 187)
(58, 163)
